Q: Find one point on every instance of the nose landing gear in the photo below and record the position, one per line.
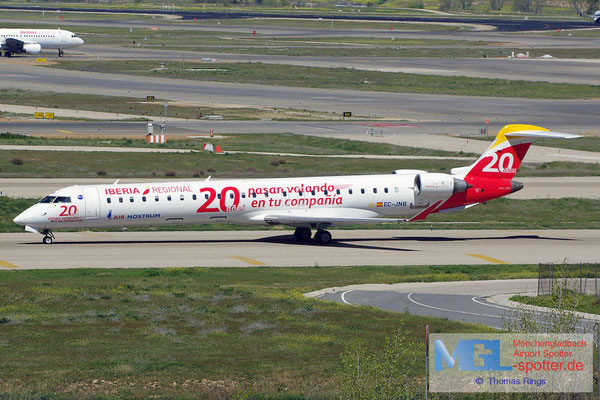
(48, 236)
(61, 53)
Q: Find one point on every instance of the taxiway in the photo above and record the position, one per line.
(279, 248)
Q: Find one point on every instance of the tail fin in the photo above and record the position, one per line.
(503, 158)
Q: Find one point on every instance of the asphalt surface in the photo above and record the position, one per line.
(279, 248)
(481, 302)
(466, 306)
(578, 71)
(571, 114)
(535, 188)
(505, 25)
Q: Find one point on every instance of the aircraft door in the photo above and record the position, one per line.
(63, 37)
(92, 202)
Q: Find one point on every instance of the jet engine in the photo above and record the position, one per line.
(438, 185)
(32, 48)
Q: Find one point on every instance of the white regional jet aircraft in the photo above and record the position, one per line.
(31, 41)
(303, 203)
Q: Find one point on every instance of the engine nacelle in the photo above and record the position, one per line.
(32, 48)
(438, 185)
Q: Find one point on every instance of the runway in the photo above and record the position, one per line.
(535, 188)
(411, 107)
(482, 302)
(501, 24)
(549, 70)
(278, 248)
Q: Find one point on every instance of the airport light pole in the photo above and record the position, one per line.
(166, 105)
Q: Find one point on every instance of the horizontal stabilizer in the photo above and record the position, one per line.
(542, 134)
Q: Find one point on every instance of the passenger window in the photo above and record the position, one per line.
(243, 195)
(362, 191)
(254, 195)
(312, 192)
(325, 192)
(181, 197)
(374, 190)
(300, 193)
(349, 191)
(155, 198)
(219, 196)
(396, 189)
(385, 190)
(266, 194)
(131, 199)
(144, 199)
(194, 197)
(337, 191)
(231, 195)
(284, 193)
(120, 199)
(206, 196)
(108, 200)
(169, 198)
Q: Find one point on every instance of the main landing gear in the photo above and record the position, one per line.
(321, 236)
(48, 236)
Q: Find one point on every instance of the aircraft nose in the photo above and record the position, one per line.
(21, 219)
(81, 41)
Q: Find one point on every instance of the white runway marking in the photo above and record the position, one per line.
(344, 299)
(489, 305)
(448, 310)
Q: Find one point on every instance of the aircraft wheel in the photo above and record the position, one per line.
(323, 237)
(7, 54)
(61, 53)
(47, 240)
(302, 234)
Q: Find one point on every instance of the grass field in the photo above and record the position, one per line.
(201, 164)
(586, 143)
(137, 106)
(199, 332)
(501, 214)
(586, 303)
(65, 164)
(339, 78)
(272, 142)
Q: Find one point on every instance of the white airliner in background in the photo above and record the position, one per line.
(32, 41)
(303, 203)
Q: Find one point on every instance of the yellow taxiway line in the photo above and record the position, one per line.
(250, 261)
(6, 264)
(67, 132)
(490, 259)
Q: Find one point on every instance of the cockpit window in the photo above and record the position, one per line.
(62, 199)
(48, 199)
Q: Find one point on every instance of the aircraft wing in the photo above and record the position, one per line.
(323, 221)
